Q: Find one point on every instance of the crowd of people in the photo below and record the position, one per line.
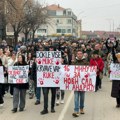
(100, 53)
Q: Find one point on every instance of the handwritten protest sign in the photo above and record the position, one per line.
(78, 78)
(2, 80)
(48, 66)
(18, 74)
(115, 71)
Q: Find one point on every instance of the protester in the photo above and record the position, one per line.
(19, 94)
(96, 60)
(58, 91)
(2, 86)
(116, 83)
(31, 84)
(79, 96)
(46, 92)
(11, 62)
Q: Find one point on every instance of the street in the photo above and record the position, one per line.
(98, 106)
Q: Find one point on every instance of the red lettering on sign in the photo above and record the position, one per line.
(66, 68)
(19, 81)
(78, 88)
(14, 72)
(47, 60)
(77, 74)
(48, 74)
(70, 80)
(67, 86)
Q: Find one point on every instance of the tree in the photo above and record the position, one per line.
(16, 15)
(36, 16)
(25, 16)
(2, 20)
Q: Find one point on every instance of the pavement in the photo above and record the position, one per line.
(98, 106)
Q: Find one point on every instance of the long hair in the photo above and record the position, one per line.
(1, 62)
(23, 59)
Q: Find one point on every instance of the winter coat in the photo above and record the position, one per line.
(33, 75)
(97, 62)
(115, 92)
(83, 61)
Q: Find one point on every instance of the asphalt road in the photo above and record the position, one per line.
(98, 106)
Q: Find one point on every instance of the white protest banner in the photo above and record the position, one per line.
(115, 71)
(48, 66)
(78, 78)
(18, 74)
(2, 80)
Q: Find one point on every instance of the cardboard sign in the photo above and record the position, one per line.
(48, 67)
(2, 80)
(18, 74)
(115, 71)
(78, 78)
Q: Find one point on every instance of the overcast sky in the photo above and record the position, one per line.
(95, 14)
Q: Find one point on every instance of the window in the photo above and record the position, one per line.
(69, 21)
(69, 13)
(58, 30)
(41, 31)
(57, 20)
(64, 12)
(63, 31)
(68, 30)
(73, 30)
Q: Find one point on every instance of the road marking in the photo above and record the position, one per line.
(62, 114)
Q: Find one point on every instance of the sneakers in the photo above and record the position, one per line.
(1, 105)
(11, 96)
(57, 103)
(44, 112)
(37, 102)
(62, 101)
(76, 114)
(82, 111)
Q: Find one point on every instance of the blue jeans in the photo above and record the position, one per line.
(79, 97)
(38, 93)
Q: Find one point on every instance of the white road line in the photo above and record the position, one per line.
(62, 114)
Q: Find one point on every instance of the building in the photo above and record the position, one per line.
(63, 22)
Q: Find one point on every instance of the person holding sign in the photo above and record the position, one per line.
(2, 86)
(79, 96)
(116, 83)
(19, 93)
(46, 93)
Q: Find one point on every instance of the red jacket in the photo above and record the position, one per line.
(97, 62)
